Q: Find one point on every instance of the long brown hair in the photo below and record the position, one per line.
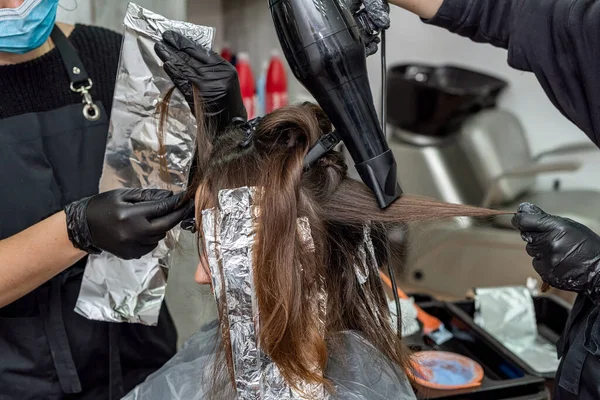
(337, 208)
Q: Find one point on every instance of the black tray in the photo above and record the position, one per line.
(551, 314)
(503, 377)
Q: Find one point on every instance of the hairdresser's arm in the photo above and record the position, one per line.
(125, 222)
(34, 256)
(558, 40)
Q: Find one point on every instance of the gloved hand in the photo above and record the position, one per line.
(187, 63)
(128, 223)
(376, 18)
(565, 253)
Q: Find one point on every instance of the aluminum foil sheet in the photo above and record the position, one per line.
(410, 323)
(508, 314)
(115, 290)
(228, 232)
(305, 233)
(361, 267)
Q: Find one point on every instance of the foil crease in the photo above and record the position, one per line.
(228, 232)
(508, 314)
(132, 291)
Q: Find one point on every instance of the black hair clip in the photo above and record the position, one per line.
(249, 128)
(189, 225)
(324, 145)
(189, 220)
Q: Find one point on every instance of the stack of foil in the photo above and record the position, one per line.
(115, 290)
(508, 314)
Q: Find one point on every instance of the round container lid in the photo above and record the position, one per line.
(446, 371)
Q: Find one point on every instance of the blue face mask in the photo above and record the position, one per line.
(26, 27)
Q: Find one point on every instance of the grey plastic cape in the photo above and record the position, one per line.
(356, 369)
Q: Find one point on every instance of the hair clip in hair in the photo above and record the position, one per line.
(324, 145)
(189, 225)
(189, 220)
(249, 128)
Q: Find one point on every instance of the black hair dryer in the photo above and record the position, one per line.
(323, 46)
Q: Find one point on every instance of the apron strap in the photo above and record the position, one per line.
(80, 81)
(50, 304)
(114, 354)
(77, 73)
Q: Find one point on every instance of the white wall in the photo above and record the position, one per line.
(110, 13)
(75, 11)
(411, 40)
(209, 13)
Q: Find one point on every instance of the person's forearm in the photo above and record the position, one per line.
(423, 8)
(34, 256)
(487, 21)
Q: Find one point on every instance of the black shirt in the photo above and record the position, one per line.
(559, 41)
(43, 84)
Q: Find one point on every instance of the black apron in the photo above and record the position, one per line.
(578, 376)
(47, 351)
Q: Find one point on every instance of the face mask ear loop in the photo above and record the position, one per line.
(69, 9)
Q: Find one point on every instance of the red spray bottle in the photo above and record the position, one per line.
(226, 53)
(276, 91)
(247, 85)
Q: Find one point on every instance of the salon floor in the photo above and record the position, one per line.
(191, 305)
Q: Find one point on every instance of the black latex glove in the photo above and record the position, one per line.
(187, 63)
(376, 19)
(128, 223)
(565, 253)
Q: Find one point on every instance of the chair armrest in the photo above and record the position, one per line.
(569, 149)
(533, 170)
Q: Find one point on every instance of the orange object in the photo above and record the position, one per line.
(442, 370)
(430, 323)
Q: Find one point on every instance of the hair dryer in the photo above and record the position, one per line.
(323, 46)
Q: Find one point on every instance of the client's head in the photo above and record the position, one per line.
(287, 275)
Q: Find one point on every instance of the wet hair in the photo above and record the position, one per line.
(338, 208)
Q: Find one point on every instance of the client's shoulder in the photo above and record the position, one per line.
(358, 368)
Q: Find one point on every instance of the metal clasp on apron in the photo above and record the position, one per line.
(91, 112)
(80, 81)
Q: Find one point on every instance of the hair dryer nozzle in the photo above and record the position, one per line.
(379, 174)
